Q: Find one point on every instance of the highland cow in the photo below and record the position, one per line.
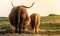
(35, 21)
(19, 17)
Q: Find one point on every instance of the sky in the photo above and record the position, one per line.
(41, 7)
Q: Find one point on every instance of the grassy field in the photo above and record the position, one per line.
(51, 25)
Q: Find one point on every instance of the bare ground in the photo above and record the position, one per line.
(7, 32)
(28, 33)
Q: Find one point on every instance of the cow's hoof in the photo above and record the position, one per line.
(19, 32)
(16, 31)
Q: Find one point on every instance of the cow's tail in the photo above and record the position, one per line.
(19, 20)
(19, 10)
(30, 6)
(35, 21)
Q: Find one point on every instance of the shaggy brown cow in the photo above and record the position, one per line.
(19, 18)
(35, 21)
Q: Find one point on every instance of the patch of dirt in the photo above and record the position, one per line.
(7, 32)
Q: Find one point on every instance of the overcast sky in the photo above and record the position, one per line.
(42, 7)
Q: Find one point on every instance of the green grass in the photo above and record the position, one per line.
(47, 22)
(50, 26)
(50, 19)
(4, 23)
(3, 18)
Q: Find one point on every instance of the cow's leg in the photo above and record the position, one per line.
(23, 28)
(32, 27)
(21, 25)
(37, 27)
(24, 25)
(15, 23)
(16, 28)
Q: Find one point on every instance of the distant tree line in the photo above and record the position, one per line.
(52, 15)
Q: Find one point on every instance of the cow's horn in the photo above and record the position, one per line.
(12, 4)
(30, 6)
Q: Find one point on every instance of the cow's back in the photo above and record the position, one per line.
(13, 16)
(35, 20)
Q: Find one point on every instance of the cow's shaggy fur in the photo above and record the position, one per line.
(19, 18)
(35, 21)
